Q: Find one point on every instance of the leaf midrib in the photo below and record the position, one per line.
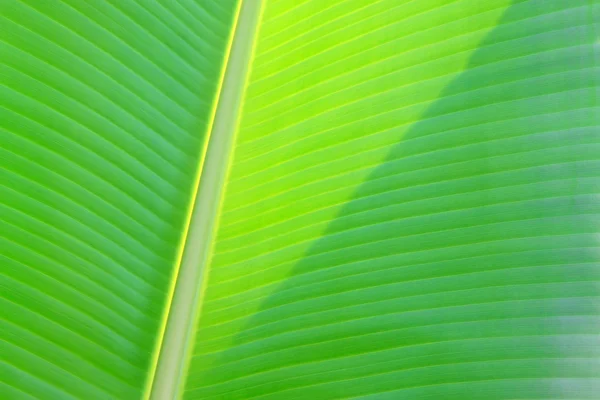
(171, 355)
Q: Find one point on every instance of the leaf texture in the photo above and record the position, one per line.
(412, 208)
(105, 114)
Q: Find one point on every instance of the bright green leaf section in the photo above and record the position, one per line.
(106, 108)
(412, 209)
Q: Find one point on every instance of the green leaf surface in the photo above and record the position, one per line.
(105, 114)
(300, 199)
(412, 207)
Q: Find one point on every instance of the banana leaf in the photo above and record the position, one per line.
(300, 199)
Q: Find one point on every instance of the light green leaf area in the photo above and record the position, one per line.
(106, 108)
(412, 207)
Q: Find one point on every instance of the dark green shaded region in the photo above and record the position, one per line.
(104, 112)
(466, 266)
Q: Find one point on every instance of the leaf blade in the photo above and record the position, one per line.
(105, 107)
(415, 183)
